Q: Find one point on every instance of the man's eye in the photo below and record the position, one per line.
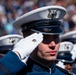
(57, 40)
(46, 41)
(56, 37)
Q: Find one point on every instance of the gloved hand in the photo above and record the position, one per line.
(73, 52)
(61, 64)
(26, 45)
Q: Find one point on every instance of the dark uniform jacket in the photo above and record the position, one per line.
(12, 65)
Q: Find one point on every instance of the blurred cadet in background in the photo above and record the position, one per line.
(7, 43)
(65, 56)
(71, 37)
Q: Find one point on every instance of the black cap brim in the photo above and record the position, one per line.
(49, 30)
(66, 56)
(49, 27)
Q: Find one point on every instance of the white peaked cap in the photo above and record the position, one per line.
(10, 39)
(73, 52)
(39, 14)
(66, 46)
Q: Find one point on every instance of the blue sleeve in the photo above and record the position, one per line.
(11, 64)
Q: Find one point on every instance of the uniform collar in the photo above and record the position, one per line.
(36, 65)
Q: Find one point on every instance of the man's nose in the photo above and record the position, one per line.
(52, 43)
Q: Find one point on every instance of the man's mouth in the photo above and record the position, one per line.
(52, 53)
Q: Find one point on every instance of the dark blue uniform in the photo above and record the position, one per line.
(12, 65)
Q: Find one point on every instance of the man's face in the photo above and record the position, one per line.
(68, 66)
(48, 49)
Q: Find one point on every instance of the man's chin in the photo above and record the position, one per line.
(51, 58)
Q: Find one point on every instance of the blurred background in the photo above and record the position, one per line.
(12, 9)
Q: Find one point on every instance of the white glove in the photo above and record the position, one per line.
(73, 52)
(61, 64)
(25, 46)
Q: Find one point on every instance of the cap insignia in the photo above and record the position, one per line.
(66, 47)
(11, 40)
(52, 14)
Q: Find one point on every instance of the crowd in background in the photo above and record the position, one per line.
(12, 9)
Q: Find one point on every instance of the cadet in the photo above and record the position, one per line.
(71, 37)
(39, 47)
(7, 43)
(65, 55)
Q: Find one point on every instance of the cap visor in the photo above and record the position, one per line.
(49, 30)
